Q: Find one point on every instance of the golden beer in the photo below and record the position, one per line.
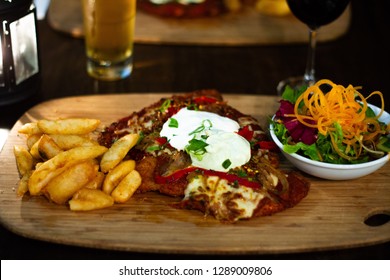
(109, 32)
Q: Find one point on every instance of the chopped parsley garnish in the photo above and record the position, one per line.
(166, 104)
(173, 123)
(226, 163)
(192, 106)
(241, 173)
(153, 148)
(197, 148)
(206, 124)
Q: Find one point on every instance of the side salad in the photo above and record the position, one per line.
(330, 123)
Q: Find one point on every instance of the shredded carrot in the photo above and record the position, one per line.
(345, 106)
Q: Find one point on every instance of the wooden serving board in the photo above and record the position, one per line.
(247, 27)
(331, 216)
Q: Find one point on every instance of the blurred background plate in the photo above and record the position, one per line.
(247, 27)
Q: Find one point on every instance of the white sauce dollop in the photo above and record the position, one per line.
(225, 149)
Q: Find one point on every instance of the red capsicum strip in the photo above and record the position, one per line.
(232, 178)
(268, 145)
(246, 133)
(205, 100)
(161, 140)
(172, 111)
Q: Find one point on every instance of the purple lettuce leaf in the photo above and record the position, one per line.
(298, 131)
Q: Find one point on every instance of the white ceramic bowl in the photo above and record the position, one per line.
(333, 171)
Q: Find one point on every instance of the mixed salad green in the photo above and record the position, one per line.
(330, 144)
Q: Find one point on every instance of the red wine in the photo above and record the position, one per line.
(316, 13)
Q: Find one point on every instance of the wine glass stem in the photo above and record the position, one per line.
(308, 77)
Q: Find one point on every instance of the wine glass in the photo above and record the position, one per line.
(314, 13)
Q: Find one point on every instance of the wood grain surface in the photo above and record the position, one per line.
(331, 216)
(247, 27)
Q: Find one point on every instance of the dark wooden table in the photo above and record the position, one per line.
(360, 57)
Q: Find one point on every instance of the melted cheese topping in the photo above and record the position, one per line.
(223, 147)
(227, 202)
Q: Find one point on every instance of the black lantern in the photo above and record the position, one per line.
(19, 63)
